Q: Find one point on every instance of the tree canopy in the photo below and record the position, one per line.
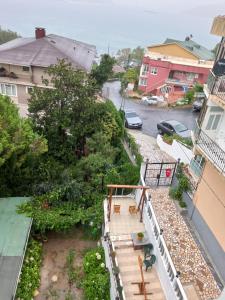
(7, 35)
(84, 153)
(126, 55)
(18, 142)
(103, 72)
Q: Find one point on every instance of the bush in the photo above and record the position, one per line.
(96, 282)
(30, 275)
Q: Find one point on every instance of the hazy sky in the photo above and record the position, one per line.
(117, 23)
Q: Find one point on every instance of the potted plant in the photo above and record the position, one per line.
(113, 254)
(140, 236)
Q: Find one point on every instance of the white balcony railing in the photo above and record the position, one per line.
(168, 274)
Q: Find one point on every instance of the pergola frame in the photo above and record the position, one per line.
(133, 187)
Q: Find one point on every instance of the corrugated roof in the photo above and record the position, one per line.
(14, 233)
(200, 51)
(46, 51)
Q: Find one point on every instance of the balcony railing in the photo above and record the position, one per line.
(169, 273)
(216, 85)
(210, 148)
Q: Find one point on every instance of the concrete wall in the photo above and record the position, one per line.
(38, 72)
(176, 150)
(210, 201)
(172, 50)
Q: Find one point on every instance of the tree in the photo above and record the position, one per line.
(102, 72)
(18, 145)
(7, 35)
(64, 112)
(67, 114)
(126, 55)
(123, 56)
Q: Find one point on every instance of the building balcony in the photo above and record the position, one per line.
(180, 82)
(210, 148)
(216, 86)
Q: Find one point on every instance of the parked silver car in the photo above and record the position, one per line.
(152, 99)
(132, 120)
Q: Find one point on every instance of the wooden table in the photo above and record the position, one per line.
(139, 244)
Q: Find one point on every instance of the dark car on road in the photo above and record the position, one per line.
(173, 127)
(197, 105)
(132, 120)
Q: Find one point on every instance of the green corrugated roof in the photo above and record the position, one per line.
(198, 50)
(14, 233)
(13, 227)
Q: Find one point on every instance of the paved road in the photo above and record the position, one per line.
(150, 115)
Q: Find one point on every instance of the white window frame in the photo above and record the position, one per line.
(143, 82)
(213, 121)
(154, 70)
(145, 69)
(5, 87)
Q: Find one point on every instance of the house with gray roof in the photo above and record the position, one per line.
(23, 62)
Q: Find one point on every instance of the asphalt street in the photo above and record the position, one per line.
(150, 115)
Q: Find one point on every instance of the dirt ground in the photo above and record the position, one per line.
(55, 252)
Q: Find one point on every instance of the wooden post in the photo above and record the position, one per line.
(110, 202)
(142, 206)
(142, 195)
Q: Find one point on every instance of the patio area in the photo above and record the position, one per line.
(121, 225)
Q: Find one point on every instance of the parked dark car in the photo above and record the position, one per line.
(197, 105)
(132, 120)
(173, 127)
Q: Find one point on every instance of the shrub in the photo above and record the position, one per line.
(176, 193)
(30, 275)
(184, 184)
(96, 282)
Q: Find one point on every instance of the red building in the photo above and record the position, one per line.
(170, 69)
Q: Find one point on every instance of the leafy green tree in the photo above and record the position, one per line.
(131, 76)
(7, 35)
(18, 144)
(103, 72)
(65, 112)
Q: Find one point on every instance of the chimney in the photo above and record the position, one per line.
(39, 32)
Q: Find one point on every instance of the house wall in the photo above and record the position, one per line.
(172, 50)
(25, 76)
(22, 94)
(38, 72)
(164, 68)
(210, 201)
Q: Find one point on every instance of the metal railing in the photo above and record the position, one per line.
(118, 290)
(216, 85)
(210, 148)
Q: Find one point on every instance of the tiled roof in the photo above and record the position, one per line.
(46, 51)
(198, 50)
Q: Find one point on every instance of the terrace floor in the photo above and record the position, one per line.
(121, 226)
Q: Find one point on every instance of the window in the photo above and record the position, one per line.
(8, 89)
(29, 89)
(143, 81)
(154, 71)
(165, 89)
(213, 122)
(145, 69)
(26, 69)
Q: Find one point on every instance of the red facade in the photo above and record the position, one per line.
(169, 79)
